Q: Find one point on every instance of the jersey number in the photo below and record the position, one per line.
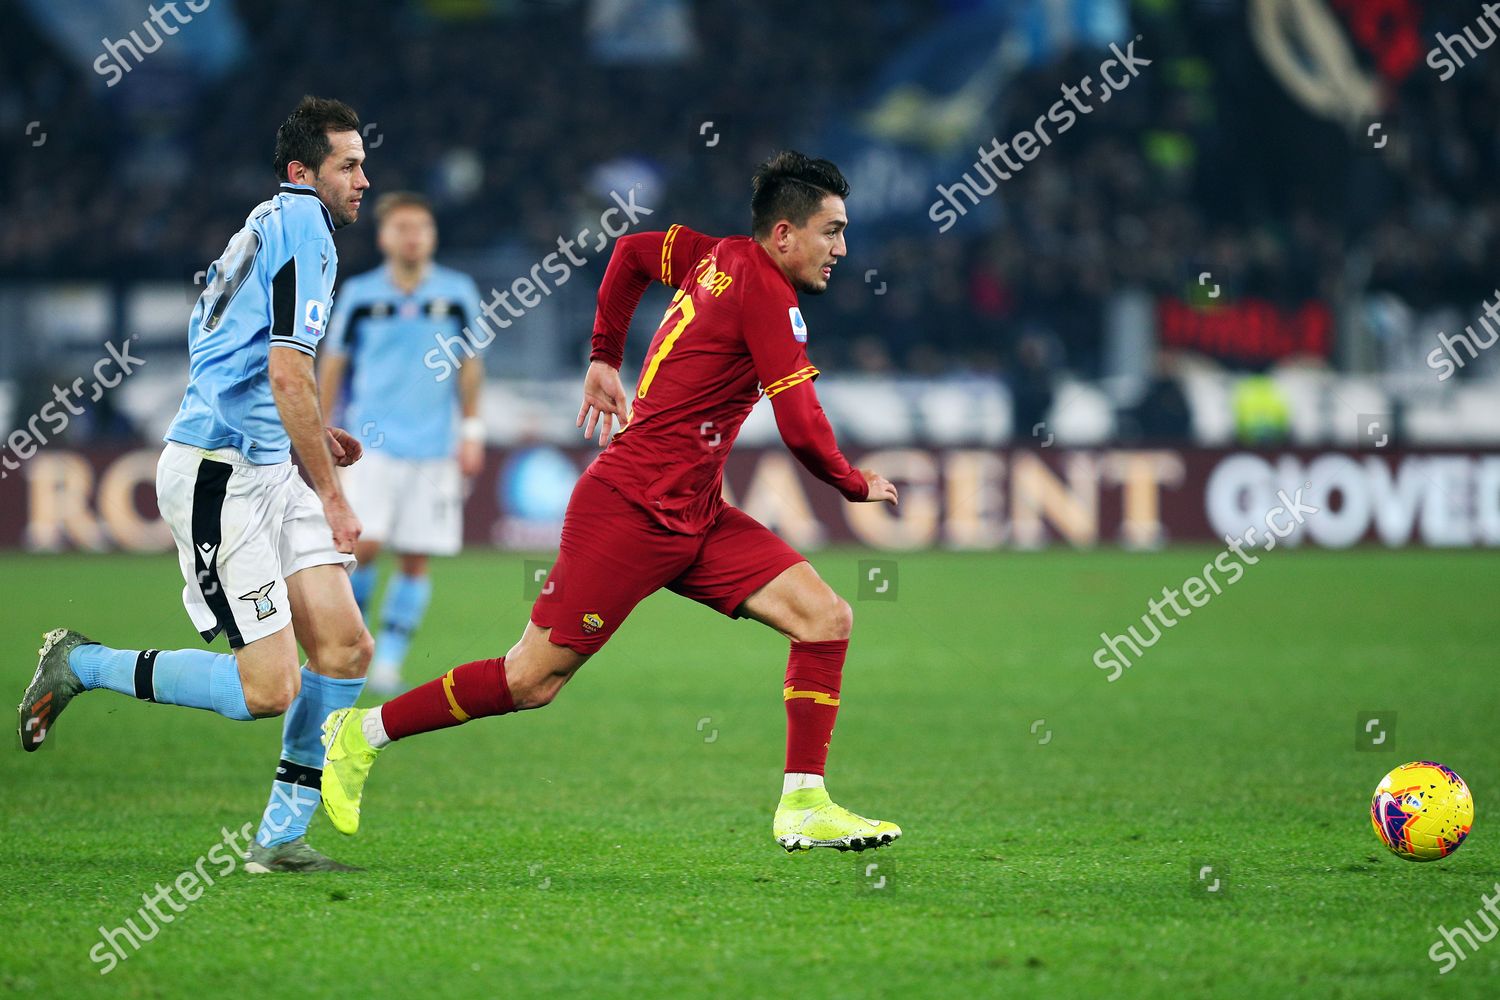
(683, 304)
(229, 273)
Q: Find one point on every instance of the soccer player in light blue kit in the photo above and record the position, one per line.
(265, 558)
(403, 404)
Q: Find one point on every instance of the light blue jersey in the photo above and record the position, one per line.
(272, 287)
(398, 403)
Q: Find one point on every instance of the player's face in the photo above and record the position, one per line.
(815, 247)
(340, 180)
(408, 236)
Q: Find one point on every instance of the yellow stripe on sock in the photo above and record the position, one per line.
(453, 706)
(817, 696)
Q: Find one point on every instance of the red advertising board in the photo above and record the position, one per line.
(966, 498)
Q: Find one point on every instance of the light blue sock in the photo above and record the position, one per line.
(296, 791)
(406, 603)
(363, 580)
(195, 678)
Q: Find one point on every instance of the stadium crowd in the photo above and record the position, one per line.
(1183, 175)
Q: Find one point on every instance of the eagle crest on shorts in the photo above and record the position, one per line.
(262, 600)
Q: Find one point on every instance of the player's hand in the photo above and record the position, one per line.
(344, 446)
(471, 457)
(345, 525)
(880, 488)
(603, 401)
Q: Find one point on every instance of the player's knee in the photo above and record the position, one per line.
(268, 697)
(534, 681)
(535, 692)
(840, 622)
(347, 657)
(363, 652)
(532, 696)
(826, 617)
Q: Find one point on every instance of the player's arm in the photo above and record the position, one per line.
(471, 445)
(637, 261)
(809, 436)
(470, 388)
(319, 448)
(786, 376)
(299, 311)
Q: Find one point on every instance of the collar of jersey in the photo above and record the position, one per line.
(385, 276)
(288, 187)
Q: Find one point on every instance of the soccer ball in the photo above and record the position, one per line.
(1422, 811)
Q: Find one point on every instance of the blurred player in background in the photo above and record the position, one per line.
(649, 513)
(408, 490)
(265, 557)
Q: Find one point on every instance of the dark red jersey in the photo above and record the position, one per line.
(732, 333)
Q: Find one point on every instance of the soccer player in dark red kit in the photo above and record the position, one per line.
(649, 512)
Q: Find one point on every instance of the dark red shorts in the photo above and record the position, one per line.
(614, 555)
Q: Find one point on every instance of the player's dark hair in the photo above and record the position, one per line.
(392, 200)
(303, 137)
(791, 186)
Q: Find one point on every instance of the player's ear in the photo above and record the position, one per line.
(781, 234)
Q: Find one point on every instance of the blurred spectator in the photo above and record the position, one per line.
(1261, 414)
(1162, 417)
(1175, 178)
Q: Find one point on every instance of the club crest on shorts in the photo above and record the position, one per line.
(592, 623)
(262, 600)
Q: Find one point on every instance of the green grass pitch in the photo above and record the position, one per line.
(618, 843)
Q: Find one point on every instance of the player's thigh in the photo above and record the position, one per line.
(800, 605)
(745, 570)
(328, 622)
(611, 557)
(428, 512)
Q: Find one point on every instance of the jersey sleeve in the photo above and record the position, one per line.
(808, 435)
(301, 292)
(638, 260)
(776, 336)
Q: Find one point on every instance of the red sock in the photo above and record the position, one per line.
(813, 673)
(471, 691)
